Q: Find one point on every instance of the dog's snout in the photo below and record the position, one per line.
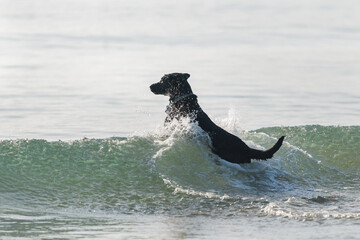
(153, 87)
(157, 88)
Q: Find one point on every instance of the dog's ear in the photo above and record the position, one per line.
(186, 76)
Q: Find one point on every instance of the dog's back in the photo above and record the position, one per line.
(230, 147)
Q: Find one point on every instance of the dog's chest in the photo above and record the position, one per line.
(179, 111)
(172, 112)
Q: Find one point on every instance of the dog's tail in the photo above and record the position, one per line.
(263, 155)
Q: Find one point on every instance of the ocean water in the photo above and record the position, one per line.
(83, 150)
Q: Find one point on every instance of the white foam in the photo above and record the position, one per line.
(208, 194)
(273, 209)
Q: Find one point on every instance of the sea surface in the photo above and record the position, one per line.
(84, 153)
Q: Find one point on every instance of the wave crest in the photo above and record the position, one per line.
(173, 168)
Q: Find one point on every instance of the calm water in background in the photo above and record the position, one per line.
(74, 69)
(71, 69)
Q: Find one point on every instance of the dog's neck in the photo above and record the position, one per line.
(182, 105)
(178, 99)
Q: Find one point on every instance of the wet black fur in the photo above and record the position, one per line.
(224, 144)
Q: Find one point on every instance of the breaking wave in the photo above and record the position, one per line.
(173, 171)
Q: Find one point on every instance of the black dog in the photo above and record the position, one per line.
(184, 103)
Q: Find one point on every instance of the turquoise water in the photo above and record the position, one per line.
(96, 188)
(83, 150)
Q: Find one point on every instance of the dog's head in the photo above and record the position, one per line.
(172, 85)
